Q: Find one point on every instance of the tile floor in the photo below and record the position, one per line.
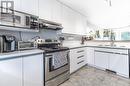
(89, 76)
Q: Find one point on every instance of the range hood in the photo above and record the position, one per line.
(45, 24)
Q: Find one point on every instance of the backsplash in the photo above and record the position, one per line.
(25, 36)
(72, 37)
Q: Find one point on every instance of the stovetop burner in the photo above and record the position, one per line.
(54, 49)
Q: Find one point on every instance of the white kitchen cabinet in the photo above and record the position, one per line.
(45, 9)
(68, 20)
(116, 60)
(73, 22)
(101, 60)
(84, 22)
(27, 6)
(50, 10)
(81, 57)
(73, 61)
(77, 59)
(56, 11)
(33, 70)
(119, 63)
(30, 6)
(11, 72)
(17, 4)
(80, 24)
(90, 55)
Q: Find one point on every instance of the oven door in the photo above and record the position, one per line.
(50, 70)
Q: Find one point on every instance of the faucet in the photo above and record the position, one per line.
(112, 39)
(112, 43)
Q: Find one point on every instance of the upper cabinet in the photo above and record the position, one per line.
(80, 24)
(68, 20)
(45, 9)
(73, 22)
(56, 11)
(52, 10)
(27, 6)
(17, 4)
(30, 6)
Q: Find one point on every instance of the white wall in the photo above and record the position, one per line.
(118, 15)
(44, 34)
(99, 12)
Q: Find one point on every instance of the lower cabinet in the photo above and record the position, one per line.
(22, 71)
(11, 72)
(77, 59)
(113, 59)
(101, 59)
(120, 64)
(33, 70)
(90, 55)
(73, 61)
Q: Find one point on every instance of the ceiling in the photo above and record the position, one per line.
(103, 13)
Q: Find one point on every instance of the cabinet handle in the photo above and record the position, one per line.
(110, 52)
(102, 51)
(80, 57)
(80, 62)
(120, 53)
(80, 51)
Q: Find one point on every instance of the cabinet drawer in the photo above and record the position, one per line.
(81, 63)
(79, 52)
(77, 59)
(80, 58)
(116, 51)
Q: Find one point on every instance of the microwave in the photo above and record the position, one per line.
(19, 19)
(26, 20)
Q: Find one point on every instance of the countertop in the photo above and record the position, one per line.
(19, 53)
(96, 46)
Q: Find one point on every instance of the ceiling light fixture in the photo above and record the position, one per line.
(110, 2)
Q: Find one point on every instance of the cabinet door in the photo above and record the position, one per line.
(17, 4)
(101, 59)
(73, 61)
(90, 56)
(81, 57)
(84, 22)
(119, 63)
(30, 6)
(56, 11)
(65, 19)
(80, 24)
(33, 70)
(45, 9)
(68, 20)
(11, 72)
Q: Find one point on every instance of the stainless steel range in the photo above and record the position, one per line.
(57, 67)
